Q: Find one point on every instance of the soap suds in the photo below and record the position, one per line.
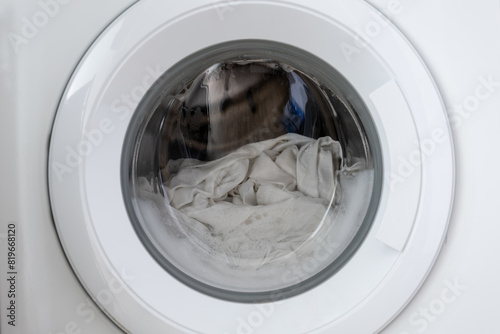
(257, 211)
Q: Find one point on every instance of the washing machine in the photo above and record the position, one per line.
(249, 166)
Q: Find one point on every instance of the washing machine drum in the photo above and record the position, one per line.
(218, 167)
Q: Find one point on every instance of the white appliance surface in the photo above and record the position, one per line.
(42, 43)
(459, 43)
(37, 62)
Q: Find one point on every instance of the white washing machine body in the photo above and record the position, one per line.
(423, 265)
(42, 43)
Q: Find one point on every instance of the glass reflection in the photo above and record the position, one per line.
(240, 102)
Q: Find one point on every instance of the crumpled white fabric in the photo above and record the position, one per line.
(223, 193)
(260, 202)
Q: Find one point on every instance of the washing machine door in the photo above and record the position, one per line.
(221, 167)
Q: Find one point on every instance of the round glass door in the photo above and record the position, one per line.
(250, 170)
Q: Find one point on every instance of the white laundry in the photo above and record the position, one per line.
(260, 202)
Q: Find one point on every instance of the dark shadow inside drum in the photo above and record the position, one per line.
(249, 101)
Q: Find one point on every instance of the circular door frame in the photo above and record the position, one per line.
(116, 72)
